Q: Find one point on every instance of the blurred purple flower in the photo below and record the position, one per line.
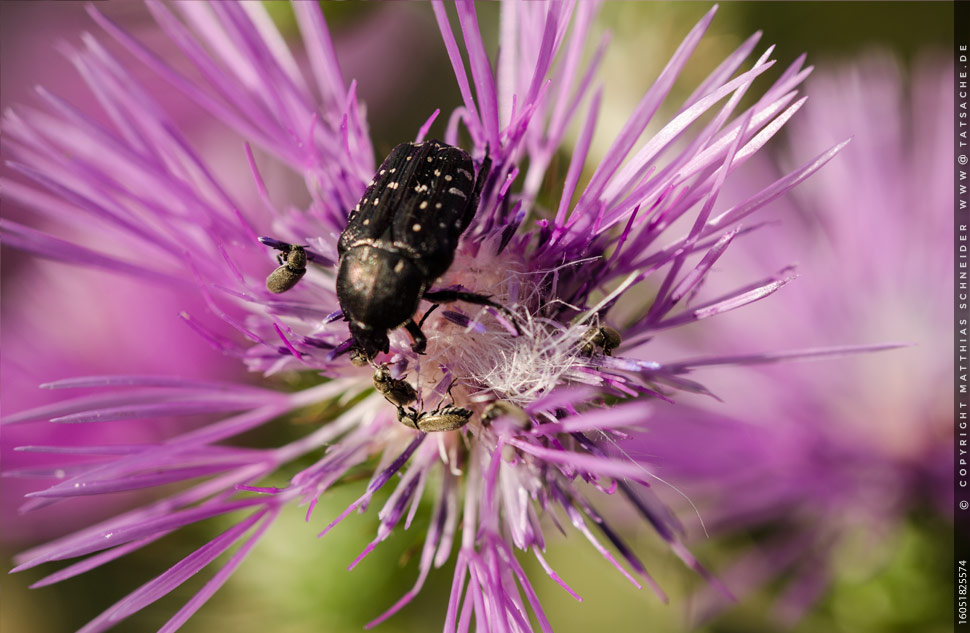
(140, 183)
(829, 455)
(106, 312)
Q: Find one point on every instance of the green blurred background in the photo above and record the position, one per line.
(295, 583)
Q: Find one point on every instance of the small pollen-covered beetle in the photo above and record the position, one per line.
(505, 409)
(600, 337)
(292, 268)
(396, 391)
(449, 418)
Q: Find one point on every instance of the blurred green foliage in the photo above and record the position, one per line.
(843, 29)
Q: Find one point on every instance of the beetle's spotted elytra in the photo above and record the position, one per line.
(449, 418)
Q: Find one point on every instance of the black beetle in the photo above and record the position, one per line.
(399, 239)
(402, 237)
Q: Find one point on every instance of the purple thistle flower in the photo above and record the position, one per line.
(826, 459)
(628, 249)
(37, 347)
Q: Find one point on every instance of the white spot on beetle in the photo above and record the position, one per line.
(377, 201)
(383, 171)
(366, 222)
(437, 205)
(392, 185)
(416, 228)
(393, 169)
(408, 157)
(447, 178)
(423, 205)
(442, 225)
(437, 172)
(430, 159)
(420, 188)
(465, 173)
(399, 266)
(457, 192)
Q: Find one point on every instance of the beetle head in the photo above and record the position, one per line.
(379, 289)
(370, 342)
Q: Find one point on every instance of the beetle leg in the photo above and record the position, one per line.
(427, 314)
(450, 385)
(420, 342)
(409, 417)
(449, 296)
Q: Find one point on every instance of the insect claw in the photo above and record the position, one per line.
(420, 343)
